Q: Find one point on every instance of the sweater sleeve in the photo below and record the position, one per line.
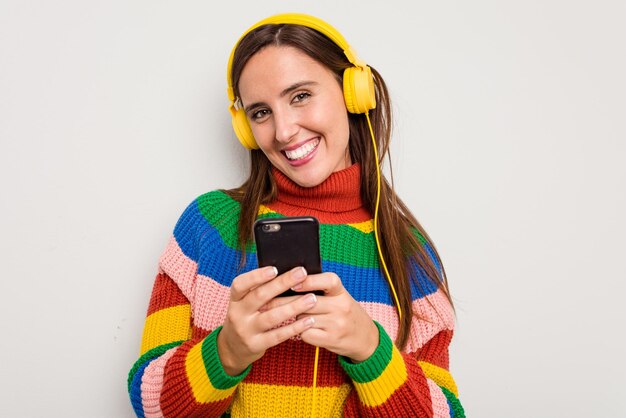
(177, 375)
(391, 383)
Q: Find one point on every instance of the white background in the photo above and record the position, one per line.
(509, 148)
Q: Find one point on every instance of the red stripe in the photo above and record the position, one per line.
(165, 294)
(349, 217)
(436, 350)
(336, 201)
(291, 364)
(198, 333)
(177, 398)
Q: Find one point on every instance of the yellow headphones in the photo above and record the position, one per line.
(358, 83)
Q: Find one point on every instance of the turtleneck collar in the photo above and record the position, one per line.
(336, 199)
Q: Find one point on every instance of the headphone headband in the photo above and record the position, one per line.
(296, 19)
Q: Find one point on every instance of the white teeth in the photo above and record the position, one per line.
(303, 151)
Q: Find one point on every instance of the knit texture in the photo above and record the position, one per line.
(179, 372)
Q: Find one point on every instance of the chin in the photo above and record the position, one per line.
(306, 182)
(312, 177)
(308, 175)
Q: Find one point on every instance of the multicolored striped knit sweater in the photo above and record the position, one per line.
(179, 372)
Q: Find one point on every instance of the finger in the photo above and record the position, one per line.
(315, 336)
(327, 333)
(316, 309)
(264, 293)
(338, 307)
(279, 335)
(329, 283)
(248, 281)
(274, 317)
(276, 302)
(326, 322)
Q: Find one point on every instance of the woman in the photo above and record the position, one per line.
(218, 340)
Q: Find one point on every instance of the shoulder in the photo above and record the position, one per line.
(210, 206)
(208, 210)
(207, 222)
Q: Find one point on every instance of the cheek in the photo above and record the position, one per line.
(331, 119)
(339, 116)
(262, 135)
(340, 125)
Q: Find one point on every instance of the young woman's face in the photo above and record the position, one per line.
(297, 112)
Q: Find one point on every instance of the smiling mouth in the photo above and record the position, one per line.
(303, 151)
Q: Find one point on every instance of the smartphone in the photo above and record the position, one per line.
(289, 242)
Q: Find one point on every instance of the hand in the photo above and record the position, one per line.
(341, 324)
(249, 328)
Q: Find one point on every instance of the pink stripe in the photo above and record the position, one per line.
(152, 383)
(439, 401)
(209, 299)
(179, 267)
(210, 303)
(422, 330)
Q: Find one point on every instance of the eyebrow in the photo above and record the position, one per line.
(283, 93)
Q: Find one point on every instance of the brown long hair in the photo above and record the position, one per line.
(397, 225)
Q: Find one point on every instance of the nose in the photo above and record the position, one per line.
(286, 125)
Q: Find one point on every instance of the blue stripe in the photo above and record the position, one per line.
(363, 283)
(188, 227)
(431, 252)
(369, 284)
(201, 242)
(135, 390)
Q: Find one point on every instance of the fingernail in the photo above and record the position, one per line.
(299, 273)
(271, 272)
(309, 321)
(297, 287)
(310, 299)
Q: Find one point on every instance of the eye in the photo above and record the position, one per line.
(300, 97)
(259, 115)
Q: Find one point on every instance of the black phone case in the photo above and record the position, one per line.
(289, 242)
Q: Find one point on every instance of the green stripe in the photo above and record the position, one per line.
(455, 404)
(214, 205)
(222, 212)
(213, 365)
(359, 249)
(370, 369)
(149, 355)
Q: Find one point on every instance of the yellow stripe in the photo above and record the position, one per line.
(264, 210)
(440, 376)
(259, 400)
(365, 227)
(166, 326)
(379, 390)
(203, 390)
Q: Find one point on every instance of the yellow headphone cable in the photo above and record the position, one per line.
(380, 255)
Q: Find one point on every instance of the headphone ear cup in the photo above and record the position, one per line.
(358, 89)
(243, 131)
